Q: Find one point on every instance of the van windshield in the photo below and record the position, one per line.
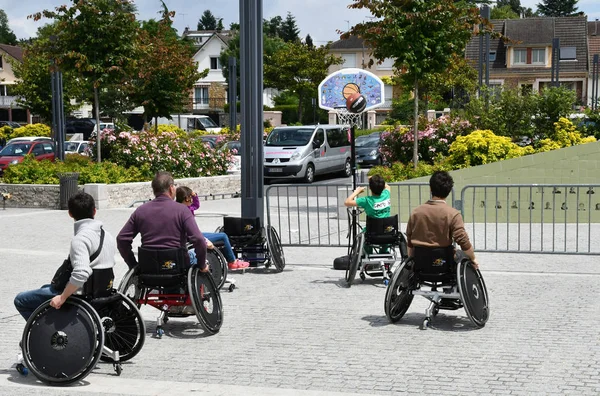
(290, 137)
(207, 123)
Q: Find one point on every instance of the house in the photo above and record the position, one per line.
(525, 59)
(356, 55)
(593, 49)
(9, 109)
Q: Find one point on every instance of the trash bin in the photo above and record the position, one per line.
(68, 188)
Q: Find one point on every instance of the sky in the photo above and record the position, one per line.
(319, 18)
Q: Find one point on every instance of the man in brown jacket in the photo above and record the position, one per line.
(436, 224)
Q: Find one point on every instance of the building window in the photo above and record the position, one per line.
(215, 63)
(201, 95)
(520, 56)
(492, 56)
(538, 56)
(568, 53)
(2, 90)
(495, 89)
(349, 60)
(526, 89)
(0, 62)
(387, 64)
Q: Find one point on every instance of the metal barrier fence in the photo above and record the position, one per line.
(538, 218)
(315, 215)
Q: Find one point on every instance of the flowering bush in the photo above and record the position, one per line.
(434, 140)
(565, 135)
(483, 147)
(184, 155)
(398, 171)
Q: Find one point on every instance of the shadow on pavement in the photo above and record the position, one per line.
(441, 322)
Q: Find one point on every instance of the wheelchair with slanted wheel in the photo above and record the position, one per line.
(253, 243)
(62, 346)
(165, 280)
(376, 249)
(447, 282)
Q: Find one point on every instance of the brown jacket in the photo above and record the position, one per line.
(435, 224)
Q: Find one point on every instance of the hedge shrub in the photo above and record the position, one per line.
(565, 134)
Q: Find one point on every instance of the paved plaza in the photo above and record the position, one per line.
(301, 332)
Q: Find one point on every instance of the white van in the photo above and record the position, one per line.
(301, 152)
(191, 122)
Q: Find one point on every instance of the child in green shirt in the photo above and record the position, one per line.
(378, 203)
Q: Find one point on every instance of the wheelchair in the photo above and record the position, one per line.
(452, 284)
(218, 266)
(253, 243)
(62, 346)
(164, 280)
(373, 251)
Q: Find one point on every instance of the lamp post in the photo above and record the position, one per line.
(58, 110)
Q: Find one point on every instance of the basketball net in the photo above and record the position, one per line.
(347, 118)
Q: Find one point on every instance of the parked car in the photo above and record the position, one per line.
(85, 126)
(235, 148)
(76, 147)
(212, 140)
(15, 152)
(368, 151)
(29, 139)
(11, 124)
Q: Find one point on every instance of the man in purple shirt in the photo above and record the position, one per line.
(163, 224)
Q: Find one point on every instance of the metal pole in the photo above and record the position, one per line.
(60, 116)
(486, 14)
(593, 94)
(97, 109)
(555, 62)
(480, 60)
(595, 78)
(232, 93)
(251, 82)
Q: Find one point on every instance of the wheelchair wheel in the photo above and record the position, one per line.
(124, 327)
(206, 300)
(62, 346)
(473, 293)
(275, 249)
(130, 287)
(355, 256)
(398, 294)
(218, 266)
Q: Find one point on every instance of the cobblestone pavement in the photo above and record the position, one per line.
(301, 332)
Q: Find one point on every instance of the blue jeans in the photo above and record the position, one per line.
(27, 302)
(215, 237)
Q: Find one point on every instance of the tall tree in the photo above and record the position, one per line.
(6, 35)
(504, 12)
(289, 30)
(165, 72)
(557, 8)
(309, 41)
(97, 39)
(207, 21)
(422, 36)
(515, 5)
(298, 68)
(272, 27)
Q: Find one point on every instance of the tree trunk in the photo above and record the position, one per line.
(416, 125)
(300, 108)
(98, 131)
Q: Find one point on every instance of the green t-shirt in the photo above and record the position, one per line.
(376, 205)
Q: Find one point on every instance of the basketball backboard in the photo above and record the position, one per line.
(336, 87)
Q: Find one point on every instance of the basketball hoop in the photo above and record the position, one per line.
(347, 118)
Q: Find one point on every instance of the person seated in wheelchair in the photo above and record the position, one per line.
(186, 196)
(92, 252)
(435, 225)
(163, 225)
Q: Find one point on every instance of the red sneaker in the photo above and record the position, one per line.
(233, 266)
(242, 264)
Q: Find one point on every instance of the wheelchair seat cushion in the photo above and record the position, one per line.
(241, 226)
(382, 231)
(163, 267)
(435, 264)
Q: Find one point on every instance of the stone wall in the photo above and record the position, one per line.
(113, 195)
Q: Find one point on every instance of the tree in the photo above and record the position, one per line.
(299, 69)
(6, 35)
(557, 8)
(208, 21)
(97, 39)
(515, 5)
(289, 30)
(309, 41)
(422, 36)
(165, 71)
(33, 87)
(504, 12)
(272, 27)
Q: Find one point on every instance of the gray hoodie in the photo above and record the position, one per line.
(85, 243)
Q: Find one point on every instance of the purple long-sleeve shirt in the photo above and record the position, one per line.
(195, 204)
(163, 224)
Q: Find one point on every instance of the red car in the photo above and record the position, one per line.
(15, 152)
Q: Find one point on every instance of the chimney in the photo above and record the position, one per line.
(596, 27)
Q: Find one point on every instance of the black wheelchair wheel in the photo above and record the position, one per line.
(124, 327)
(62, 346)
(218, 266)
(398, 295)
(219, 229)
(275, 249)
(206, 300)
(355, 256)
(130, 286)
(473, 293)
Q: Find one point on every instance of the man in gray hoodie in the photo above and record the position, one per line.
(84, 244)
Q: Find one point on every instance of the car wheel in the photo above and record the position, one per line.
(347, 168)
(309, 176)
